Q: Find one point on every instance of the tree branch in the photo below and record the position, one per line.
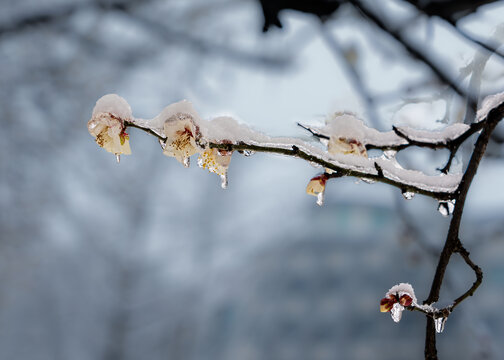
(452, 243)
(415, 52)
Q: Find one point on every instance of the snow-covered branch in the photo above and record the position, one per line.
(342, 150)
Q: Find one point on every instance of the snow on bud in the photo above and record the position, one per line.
(397, 299)
(107, 124)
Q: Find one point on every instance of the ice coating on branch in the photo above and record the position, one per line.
(488, 103)
(107, 124)
(437, 183)
(182, 133)
(225, 128)
(426, 136)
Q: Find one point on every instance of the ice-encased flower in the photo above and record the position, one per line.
(397, 299)
(107, 124)
(215, 160)
(316, 185)
(181, 132)
(346, 132)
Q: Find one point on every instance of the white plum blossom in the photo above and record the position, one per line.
(346, 134)
(180, 126)
(107, 124)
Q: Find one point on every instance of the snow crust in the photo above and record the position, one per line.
(489, 103)
(449, 133)
(225, 129)
(114, 104)
(402, 289)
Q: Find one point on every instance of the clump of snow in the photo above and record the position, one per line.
(489, 103)
(114, 104)
(449, 133)
(436, 183)
(402, 289)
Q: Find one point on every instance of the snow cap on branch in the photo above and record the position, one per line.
(489, 103)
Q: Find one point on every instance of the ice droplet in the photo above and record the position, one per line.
(162, 143)
(396, 312)
(187, 161)
(248, 152)
(408, 195)
(118, 158)
(368, 180)
(445, 208)
(200, 162)
(320, 198)
(224, 181)
(390, 154)
(440, 323)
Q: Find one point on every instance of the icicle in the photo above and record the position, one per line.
(408, 195)
(118, 158)
(396, 312)
(368, 180)
(187, 161)
(320, 198)
(224, 181)
(390, 154)
(446, 208)
(440, 323)
(200, 162)
(162, 143)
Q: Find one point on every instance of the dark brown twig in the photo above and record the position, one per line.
(452, 243)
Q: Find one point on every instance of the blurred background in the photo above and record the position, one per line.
(149, 260)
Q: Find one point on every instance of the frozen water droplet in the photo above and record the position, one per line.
(320, 198)
(248, 152)
(118, 158)
(408, 195)
(390, 154)
(368, 180)
(224, 181)
(396, 312)
(315, 165)
(187, 161)
(446, 208)
(200, 162)
(440, 323)
(162, 143)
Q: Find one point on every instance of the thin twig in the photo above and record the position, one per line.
(414, 51)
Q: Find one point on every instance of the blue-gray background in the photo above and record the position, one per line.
(149, 260)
